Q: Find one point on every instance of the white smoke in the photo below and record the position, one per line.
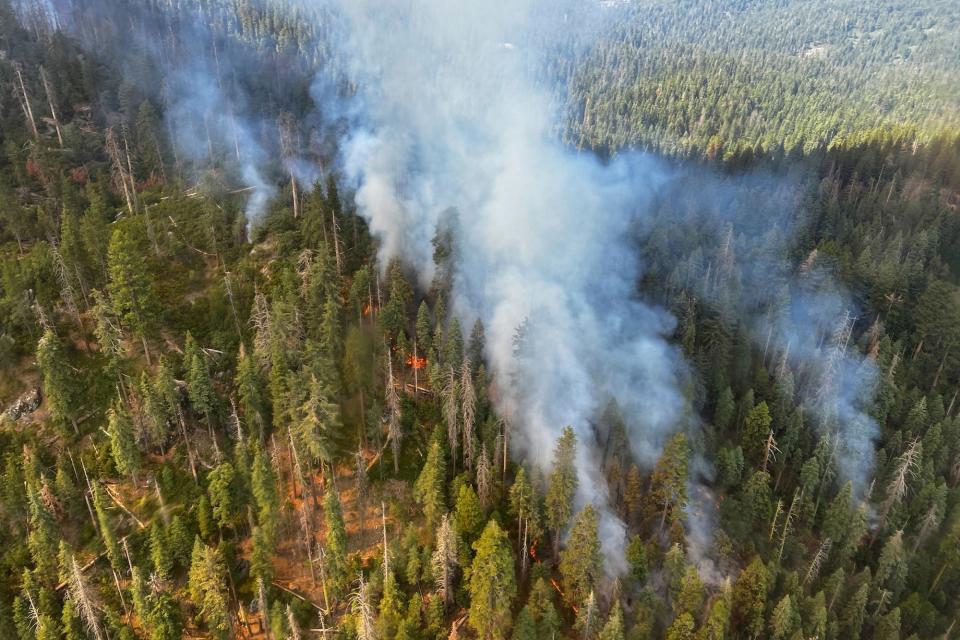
(455, 117)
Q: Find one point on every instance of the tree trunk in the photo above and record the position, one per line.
(25, 102)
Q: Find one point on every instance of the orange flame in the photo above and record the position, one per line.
(563, 596)
(366, 310)
(416, 363)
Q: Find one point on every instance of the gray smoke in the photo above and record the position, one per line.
(734, 247)
(454, 116)
(204, 120)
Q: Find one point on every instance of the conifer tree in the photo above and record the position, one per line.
(668, 483)
(318, 419)
(207, 588)
(249, 383)
(160, 553)
(199, 385)
(580, 561)
(336, 536)
(58, 386)
(428, 490)
(123, 444)
(424, 327)
(468, 513)
(492, 584)
(756, 428)
(223, 495)
(682, 628)
(107, 535)
(264, 489)
(130, 282)
(613, 629)
(749, 597)
(587, 623)
(784, 620)
(562, 485)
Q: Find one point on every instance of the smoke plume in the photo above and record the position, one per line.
(454, 116)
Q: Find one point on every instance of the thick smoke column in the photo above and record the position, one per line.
(454, 118)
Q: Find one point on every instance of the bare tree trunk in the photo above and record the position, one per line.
(336, 243)
(296, 197)
(53, 110)
(25, 101)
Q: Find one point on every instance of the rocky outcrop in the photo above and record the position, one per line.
(26, 403)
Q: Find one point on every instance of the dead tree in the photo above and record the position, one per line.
(24, 98)
(53, 109)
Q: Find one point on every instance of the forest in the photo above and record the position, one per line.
(236, 405)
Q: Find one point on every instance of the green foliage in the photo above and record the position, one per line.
(123, 444)
(562, 485)
(207, 587)
(222, 488)
(336, 536)
(428, 490)
(492, 584)
(580, 562)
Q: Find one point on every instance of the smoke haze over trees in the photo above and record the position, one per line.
(505, 319)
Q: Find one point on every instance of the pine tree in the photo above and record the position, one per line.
(453, 347)
(524, 505)
(854, 613)
(428, 490)
(42, 537)
(468, 513)
(682, 628)
(264, 489)
(160, 554)
(580, 561)
(249, 383)
(492, 584)
(636, 554)
(261, 554)
(749, 598)
(336, 536)
(718, 616)
(888, 627)
(690, 595)
(107, 534)
(424, 328)
(633, 495)
(755, 431)
(164, 616)
(123, 444)
(724, 411)
(668, 483)
(784, 620)
(540, 604)
(58, 386)
(613, 629)
(318, 419)
(130, 282)
(562, 485)
(587, 623)
(221, 487)
(200, 386)
(207, 588)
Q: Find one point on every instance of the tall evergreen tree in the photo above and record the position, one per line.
(492, 585)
